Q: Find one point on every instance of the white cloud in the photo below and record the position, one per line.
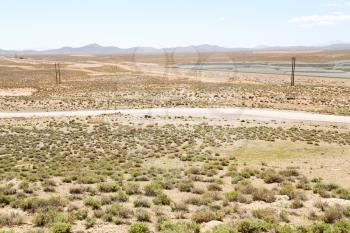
(222, 19)
(338, 4)
(334, 5)
(314, 20)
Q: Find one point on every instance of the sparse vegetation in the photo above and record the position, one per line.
(170, 174)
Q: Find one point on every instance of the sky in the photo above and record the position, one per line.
(46, 24)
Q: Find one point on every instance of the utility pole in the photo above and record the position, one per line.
(293, 72)
(58, 73)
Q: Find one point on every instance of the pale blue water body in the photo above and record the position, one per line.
(330, 70)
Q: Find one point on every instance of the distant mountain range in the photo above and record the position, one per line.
(98, 49)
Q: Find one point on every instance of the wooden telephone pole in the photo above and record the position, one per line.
(293, 72)
(58, 73)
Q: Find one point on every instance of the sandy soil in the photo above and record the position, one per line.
(225, 113)
(209, 127)
(17, 92)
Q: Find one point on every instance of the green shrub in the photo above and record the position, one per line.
(252, 226)
(321, 205)
(87, 179)
(90, 222)
(7, 231)
(179, 207)
(248, 172)
(320, 228)
(60, 227)
(343, 194)
(271, 176)
(119, 210)
(108, 187)
(297, 204)
(91, 190)
(207, 215)
(11, 219)
(224, 229)
(106, 200)
(132, 189)
(324, 189)
(284, 216)
(92, 202)
(168, 183)
(143, 216)
(140, 202)
(77, 190)
(342, 227)
(138, 228)
(286, 229)
(236, 178)
(267, 215)
(80, 214)
(209, 197)
(304, 184)
(161, 199)
(245, 187)
(180, 227)
(333, 214)
(4, 200)
(46, 217)
(289, 172)
(288, 189)
(195, 200)
(152, 189)
(33, 204)
(346, 211)
(232, 196)
(121, 196)
(214, 187)
(265, 195)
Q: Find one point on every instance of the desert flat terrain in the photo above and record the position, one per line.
(136, 144)
(99, 82)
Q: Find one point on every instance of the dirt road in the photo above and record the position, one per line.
(224, 113)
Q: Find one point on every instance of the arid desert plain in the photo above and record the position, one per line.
(139, 144)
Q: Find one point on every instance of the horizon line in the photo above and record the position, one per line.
(171, 47)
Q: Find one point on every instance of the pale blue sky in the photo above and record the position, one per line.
(43, 24)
